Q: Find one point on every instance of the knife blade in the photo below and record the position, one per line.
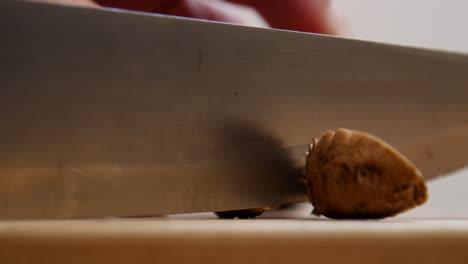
(115, 113)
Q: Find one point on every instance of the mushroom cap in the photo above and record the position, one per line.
(351, 174)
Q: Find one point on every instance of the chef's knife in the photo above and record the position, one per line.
(114, 113)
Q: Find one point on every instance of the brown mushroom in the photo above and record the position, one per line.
(352, 174)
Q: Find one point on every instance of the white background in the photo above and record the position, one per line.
(428, 23)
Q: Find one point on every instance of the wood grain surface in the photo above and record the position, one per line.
(234, 241)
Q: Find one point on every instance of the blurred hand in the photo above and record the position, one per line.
(317, 16)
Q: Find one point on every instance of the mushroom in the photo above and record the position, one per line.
(351, 174)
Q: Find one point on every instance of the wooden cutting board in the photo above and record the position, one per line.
(162, 240)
